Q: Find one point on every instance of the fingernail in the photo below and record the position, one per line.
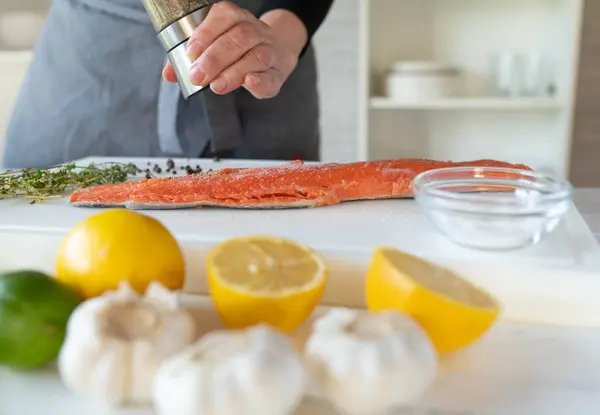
(218, 85)
(197, 75)
(193, 50)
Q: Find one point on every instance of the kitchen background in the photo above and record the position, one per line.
(449, 79)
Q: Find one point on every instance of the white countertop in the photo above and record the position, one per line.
(516, 369)
(588, 204)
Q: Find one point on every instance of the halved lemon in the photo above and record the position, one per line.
(453, 311)
(265, 279)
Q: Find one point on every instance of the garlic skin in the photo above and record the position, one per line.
(250, 371)
(368, 363)
(116, 342)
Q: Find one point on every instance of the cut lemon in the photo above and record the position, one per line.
(264, 279)
(454, 312)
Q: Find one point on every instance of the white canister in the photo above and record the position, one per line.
(418, 81)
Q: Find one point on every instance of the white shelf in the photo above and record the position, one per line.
(15, 56)
(500, 104)
(469, 34)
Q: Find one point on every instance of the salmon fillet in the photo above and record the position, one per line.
(286, 186)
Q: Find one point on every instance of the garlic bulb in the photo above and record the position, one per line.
(250, 371)
(366, 363)
(115, 343)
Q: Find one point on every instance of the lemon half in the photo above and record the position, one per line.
(265, 279)
(454, 312)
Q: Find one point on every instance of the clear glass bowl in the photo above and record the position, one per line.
(492, 208)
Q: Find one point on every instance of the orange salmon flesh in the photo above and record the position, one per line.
(290, 185)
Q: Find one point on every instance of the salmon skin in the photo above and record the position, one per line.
(291, 185)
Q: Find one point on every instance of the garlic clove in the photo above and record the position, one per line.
(107, 381)
(366, 363)
(123, 292)
(162, 295)
(115, 343)
(250, 371)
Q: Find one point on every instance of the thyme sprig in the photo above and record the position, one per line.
(48, 183)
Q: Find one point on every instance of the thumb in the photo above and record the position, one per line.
(169, 73)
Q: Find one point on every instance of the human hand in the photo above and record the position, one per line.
(232, 48)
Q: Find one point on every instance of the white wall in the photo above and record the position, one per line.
(12, 72)
(337, 48)
(13, 66)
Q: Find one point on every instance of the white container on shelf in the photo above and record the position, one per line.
(418, 81)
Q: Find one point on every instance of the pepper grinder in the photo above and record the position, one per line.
(175, 21)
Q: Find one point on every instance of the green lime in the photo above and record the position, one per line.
(34, 311)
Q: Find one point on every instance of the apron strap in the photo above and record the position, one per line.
(223, 120)
(186, 127)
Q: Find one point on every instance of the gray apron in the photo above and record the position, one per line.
(94, 88)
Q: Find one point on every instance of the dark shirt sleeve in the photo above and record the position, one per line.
(311, 12)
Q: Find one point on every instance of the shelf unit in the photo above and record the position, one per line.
(476, 104)
(11, 57)
(468, 33)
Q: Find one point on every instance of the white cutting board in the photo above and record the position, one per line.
(554, 281)
(350, 226)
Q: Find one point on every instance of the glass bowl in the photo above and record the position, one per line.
(492, 208)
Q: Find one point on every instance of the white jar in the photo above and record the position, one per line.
(419, 81)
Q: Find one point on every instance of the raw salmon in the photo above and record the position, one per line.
(286, 186)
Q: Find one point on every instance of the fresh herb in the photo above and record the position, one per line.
(41, 184)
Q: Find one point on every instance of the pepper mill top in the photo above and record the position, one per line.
(165, 12)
